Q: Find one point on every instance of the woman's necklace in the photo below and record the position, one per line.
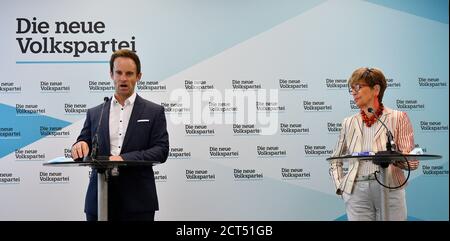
(370, 121)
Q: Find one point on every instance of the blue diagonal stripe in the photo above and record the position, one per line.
(27, 125)
(432, 9)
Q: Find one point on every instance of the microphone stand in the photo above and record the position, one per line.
(94, 151)
(382, 159)
(102, 174)
(383, 156)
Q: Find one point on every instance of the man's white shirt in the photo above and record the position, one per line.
(119, 117)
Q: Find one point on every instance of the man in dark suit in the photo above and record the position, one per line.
(132, 128)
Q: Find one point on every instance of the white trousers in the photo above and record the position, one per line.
(364, 204)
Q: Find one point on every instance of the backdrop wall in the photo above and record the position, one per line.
(254, 92)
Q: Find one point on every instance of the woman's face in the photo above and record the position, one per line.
(363, 95)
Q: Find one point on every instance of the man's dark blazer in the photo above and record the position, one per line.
(134, 189)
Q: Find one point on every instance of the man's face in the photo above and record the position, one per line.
(125, 76)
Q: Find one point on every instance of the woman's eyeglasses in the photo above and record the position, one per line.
(356, 88)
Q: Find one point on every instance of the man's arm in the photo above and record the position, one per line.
(82, 147)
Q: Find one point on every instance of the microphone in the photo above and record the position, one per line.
(94, 151)
(390, 144)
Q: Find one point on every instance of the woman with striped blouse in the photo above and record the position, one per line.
(362, 132)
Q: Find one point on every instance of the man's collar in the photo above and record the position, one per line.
(129, 101)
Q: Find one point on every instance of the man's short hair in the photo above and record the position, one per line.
(126, 53)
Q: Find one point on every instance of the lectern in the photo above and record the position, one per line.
(105, 168)
(384, 159)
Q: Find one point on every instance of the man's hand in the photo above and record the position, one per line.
(80, 150)
(115, 158)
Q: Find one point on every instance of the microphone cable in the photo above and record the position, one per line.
(399, 186)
